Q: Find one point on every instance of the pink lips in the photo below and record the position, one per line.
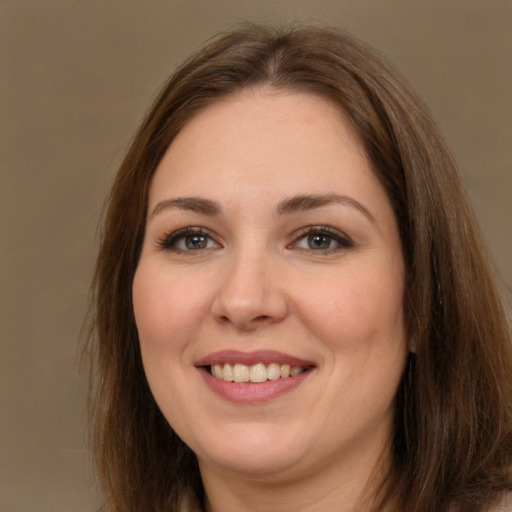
(250, 358)
(249, 392)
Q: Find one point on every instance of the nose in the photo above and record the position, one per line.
(251, 293)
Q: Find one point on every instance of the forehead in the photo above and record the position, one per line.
(261, 136)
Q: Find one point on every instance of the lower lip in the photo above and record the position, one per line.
(252, 392)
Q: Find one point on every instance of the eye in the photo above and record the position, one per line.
(194, 242)
(321, 239)
(188, 239)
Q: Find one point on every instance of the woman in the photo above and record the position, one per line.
(294, 308)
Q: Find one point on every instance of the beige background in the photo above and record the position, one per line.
(76, 77)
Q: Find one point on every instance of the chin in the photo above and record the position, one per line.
(253, 450)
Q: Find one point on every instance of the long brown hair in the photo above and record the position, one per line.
(452, 446)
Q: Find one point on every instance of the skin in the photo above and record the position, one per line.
(260, 284)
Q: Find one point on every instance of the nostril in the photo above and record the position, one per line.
(247, 323)
(261, 318)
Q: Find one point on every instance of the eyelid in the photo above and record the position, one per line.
(343, 241)
(169, 239)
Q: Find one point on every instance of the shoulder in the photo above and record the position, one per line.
(505, 505)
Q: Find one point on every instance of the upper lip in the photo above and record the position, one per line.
(251, 358)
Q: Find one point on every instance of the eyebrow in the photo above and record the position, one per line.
(295, 204)
(306, 202)
(195, 204)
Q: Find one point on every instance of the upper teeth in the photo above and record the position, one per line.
(255, 373)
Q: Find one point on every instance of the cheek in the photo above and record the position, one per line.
(165, 315)
(358, 317)
(355, 308)
(167, 309)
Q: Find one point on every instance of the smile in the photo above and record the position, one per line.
(252, 377)
(255, 373)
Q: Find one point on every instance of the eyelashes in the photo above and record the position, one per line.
(188, 239)
(322, 239)
(312, 239)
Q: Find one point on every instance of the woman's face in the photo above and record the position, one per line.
(272, 259)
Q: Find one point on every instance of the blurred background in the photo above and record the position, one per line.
(76, 79)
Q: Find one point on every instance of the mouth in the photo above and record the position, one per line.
(253, 377)
(258, 372)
